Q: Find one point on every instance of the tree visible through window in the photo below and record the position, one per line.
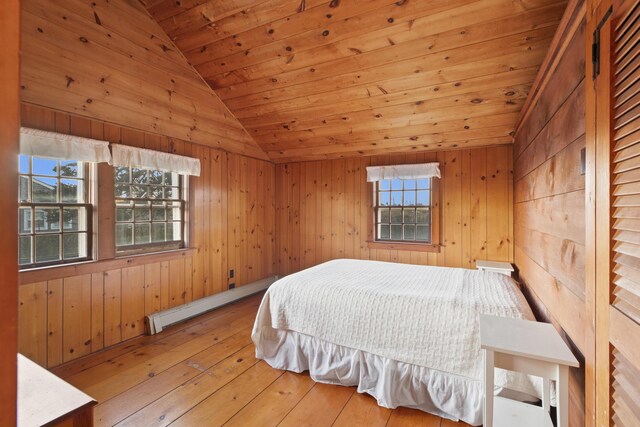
(403, 210)
(54, 213)
(149, 209)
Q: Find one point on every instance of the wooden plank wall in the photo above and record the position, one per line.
(323, 209)
(67, 312)
(111, 61)
(9, 135)
(550, 207)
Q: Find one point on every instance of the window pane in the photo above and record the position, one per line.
(122, 175)
(383, 232)
(124, 234)
(396, 198)
(156, 192)
(122, 191)
(24, 220)
(124, 213)
(158, 212)
(74, 246)
(385, 184)
(423, 198)
(74, 219)
(48, 248)
(396, 184)
(423, 184)
(24, 250)
(139, 191)
(47, 220)
(173, 231)
(396, 215)
(385, 198)
(155, 177)
(409, 184)
(45, 167)
(171, 179)
(71, 168)
(173, 212)
(383, 215)
(142, 213)
(24, 189)
(409, 215)
(422, 216)
(171, 193)
(23, 163)
(409, 198)
(45, 190)
(72, 190)
(139, 176)
(423, 233)
(142, 234)
(157, 232)
(396, 232)
(409, 232)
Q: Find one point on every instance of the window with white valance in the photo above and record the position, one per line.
(52, 145)
(414, 171)
(133, 157)
(403, 202)
(150, 190)
(55, 208)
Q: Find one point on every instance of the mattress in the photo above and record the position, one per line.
(408, 335)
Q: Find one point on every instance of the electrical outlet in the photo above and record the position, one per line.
(231, 274)
(232, 285)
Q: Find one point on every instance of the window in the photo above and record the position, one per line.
(403, 210)
(150, 209)
(54, 221)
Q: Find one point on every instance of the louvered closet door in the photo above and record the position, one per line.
(624, 309)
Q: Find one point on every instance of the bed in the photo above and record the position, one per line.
(407, 335)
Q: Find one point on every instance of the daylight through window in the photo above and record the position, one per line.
(149, 209)
(403, 210)
(54, 211)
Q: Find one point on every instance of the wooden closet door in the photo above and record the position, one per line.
(617, 317)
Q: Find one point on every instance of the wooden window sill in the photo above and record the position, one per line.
(402, 246)
(88, 267)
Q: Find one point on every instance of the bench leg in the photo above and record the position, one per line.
(488, 388)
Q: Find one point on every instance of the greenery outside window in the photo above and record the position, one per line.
(403, 210)
(54, 221)
(149, 210)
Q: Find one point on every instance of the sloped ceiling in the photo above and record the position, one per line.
(111, 61)
(314, 79)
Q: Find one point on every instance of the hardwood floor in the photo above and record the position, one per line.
(204, 373)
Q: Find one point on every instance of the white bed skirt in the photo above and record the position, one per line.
(390, 382)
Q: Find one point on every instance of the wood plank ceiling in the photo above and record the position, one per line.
(314, 79)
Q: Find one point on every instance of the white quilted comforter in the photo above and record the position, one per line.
(425, 316)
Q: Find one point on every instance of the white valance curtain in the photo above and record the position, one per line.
(123, 155)
(40, 143)
(417, 171)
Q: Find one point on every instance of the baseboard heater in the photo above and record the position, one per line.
(158, 321)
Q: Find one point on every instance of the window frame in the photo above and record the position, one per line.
(407, 245)
(89, 183)
(377, 206)
(152, 247)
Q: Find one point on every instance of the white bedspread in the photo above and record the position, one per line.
(424, 316)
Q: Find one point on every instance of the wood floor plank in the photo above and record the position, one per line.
(224, 404)
(174, 404)
(197, 324)
(104, 372)
(362, 410)
(274, 403)
(406, 417)
(120, 407)
(320, 407)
